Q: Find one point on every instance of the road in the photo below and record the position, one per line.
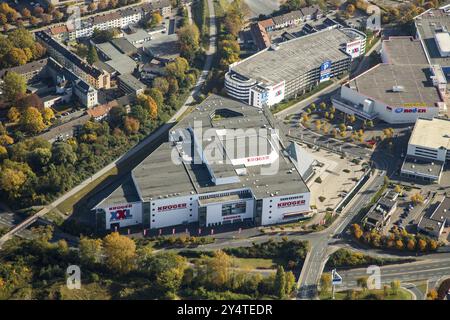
(429, 270)
(138, 149)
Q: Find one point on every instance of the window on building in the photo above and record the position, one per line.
(233, 208)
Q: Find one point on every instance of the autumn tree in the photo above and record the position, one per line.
(325, 282)
(417, 198)
(90, 250)
(350, 9)
(422, 245)
(32, 120)
(48, 115)
(156, 94)
(356, 230)
(395, 286)
(432, 294)
(13, 115)
(149, 105)
(131, 125)
(14, 176)
(120, 253)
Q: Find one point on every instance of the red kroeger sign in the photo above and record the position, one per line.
(121, 207)
(291, 203)
(172, 207)
(257, 158)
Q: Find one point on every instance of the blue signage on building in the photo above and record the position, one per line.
(325, 71)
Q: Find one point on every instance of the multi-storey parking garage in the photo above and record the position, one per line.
(293, 67)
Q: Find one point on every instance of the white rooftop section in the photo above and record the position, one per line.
(443, 43)
(431, 133)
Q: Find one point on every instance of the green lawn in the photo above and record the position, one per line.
(402, 294)
(286, 104)
(254, 263)
(66, 207)
(90, 291)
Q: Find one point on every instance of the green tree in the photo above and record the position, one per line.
(290, 282)
(362, 282)
(156, 94)
(62, 153)
(280, 283)
(189, 39)
(13, 85)
(92, 56)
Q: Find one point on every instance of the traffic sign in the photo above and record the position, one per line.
(336, 278)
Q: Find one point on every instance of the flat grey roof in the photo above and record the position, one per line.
(294, 57)
(124, 46)
(428, 24)
(378, 82)
(132, 81)
(119, 61)
(404, 50)
(158, 176)
(422, 166)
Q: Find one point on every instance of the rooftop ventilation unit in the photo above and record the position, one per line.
(398, 89)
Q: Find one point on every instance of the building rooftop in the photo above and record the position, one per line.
(26, 68)
(131, 81)
(421, 166)
(404, 51)
(428, 24)
(155, 175)
(442, 212)
(433, 133)
(117, 60)
(379, 83)
(164, 46)
(293, 15)
(47, 39)
(125, 46)
(294, 57)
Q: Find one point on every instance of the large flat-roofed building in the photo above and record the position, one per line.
(427, 150)
(224, 163)
(432, 29)
(293, 67)
(401, 89)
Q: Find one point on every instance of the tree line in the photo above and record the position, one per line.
(35, 269)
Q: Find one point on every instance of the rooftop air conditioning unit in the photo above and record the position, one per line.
(398, 89)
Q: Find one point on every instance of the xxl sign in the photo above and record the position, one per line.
(172, 207)
(293, 203)
(120, 213)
